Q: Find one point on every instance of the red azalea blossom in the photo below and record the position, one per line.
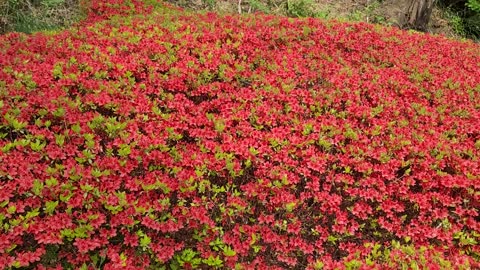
(148, 136)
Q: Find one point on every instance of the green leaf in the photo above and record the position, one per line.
(474, 5)
(51, 182)
(76, 128)
(123, 257)
(369, 261)
(395, 244)
(253, 151)
(307, 129)
(7, 147)
(23, 142)
(187, 256)
(350, 134)
(96, 173)
(67, 233)
(66, 198)
(57, 71)
(332, 239)
(254, 239)
(17, 125)
(38, 122)
(124, 150)
(213, 261)
(31, 214)
(318, 265)
(83, 231)
(114, 209)
(4, 203)
(59, 139)
(50, 206)
(290, 206)
(228, 251)
(219, 125)
(156, 110)
(87, 188)
(59, 112)
(37, 145)
(37, 187)
(11, 209)
(89, 140)
(353, 264)
(145, 240)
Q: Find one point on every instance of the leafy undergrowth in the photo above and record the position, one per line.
(188, 140)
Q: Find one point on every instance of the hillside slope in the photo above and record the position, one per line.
(151, 137)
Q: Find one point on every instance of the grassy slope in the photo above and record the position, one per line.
(201, 140)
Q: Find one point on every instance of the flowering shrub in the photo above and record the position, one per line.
(187, 140)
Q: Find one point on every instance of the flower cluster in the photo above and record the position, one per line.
(194, 140)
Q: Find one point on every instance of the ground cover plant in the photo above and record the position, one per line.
(151, 138)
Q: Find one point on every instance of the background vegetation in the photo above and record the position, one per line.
(463, 17)
(34, 15)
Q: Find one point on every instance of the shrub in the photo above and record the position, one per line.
(464, 17)
(474, 5)
(152, 138)
(299, 8)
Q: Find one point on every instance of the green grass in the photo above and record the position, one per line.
(28, 16)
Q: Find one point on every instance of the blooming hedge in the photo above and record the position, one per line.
(153, 137)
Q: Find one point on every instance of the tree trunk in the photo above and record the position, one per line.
(418, 14)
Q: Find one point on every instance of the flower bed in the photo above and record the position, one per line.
(191, 140)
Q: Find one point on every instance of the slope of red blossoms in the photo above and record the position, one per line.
(149, 137)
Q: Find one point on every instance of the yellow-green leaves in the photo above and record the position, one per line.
(50, 207)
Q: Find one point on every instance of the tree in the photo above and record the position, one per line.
(418, 14)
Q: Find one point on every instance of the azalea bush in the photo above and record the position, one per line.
(151, 138)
